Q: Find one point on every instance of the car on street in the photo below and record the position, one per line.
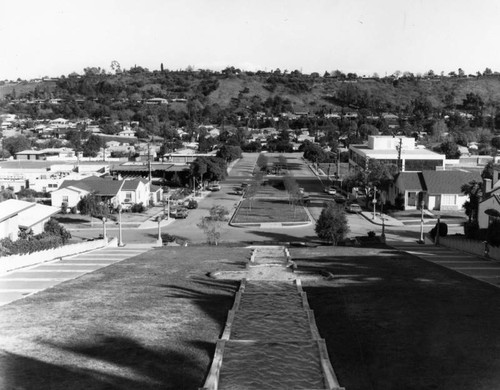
(179, 213)
(330, 190)
(238, 191)
(339, 198)
(214, 187)
(192, 204)
(353, 208)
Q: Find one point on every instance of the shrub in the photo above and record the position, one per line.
(443, 230)
(64, 208)
(138, 208)
(74, 210)
(493, 234)
(371, 234)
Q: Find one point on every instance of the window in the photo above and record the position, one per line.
(65, 199)
(448, 200)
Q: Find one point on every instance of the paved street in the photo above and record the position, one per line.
(21, 283)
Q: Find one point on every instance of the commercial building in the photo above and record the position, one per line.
(398, 150)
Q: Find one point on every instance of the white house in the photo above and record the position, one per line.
(9, 217)
(17, 214)
(68, 195)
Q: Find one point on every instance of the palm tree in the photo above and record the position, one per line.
(474, 191)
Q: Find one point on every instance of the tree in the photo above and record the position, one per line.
(450, 149)
(473, 190)
(332, 225)
(93, 206)
(93, 146)
(229, 153)
(212, 224)
(16, 144)
(53, 228)
(211, 168)
(262, 162)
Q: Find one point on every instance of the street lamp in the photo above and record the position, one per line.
(120, 242)
(159, 240)
(104, 236)
(374, 201)
(421, 222)
(383, 220)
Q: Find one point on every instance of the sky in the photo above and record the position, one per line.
(58, 37)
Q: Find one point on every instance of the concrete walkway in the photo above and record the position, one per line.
(271, 340)
(18, 284)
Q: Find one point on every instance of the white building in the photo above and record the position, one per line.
(18, 214)
(385, 149)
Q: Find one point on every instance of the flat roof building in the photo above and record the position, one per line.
(389, 149)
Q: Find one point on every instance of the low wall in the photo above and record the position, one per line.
(471, 246)
(10, 263)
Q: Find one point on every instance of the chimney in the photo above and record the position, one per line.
(487, 185)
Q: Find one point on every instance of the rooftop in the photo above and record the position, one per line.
(12, 207)
(35, 214)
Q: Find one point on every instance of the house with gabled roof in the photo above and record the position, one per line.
(71, 191)
(440, 190)
(115, 192)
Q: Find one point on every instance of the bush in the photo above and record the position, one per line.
(471, 230)
(138, 208)
(443, 230)
(371, 234)
(493, 234)
(64, 208)
(74, 210)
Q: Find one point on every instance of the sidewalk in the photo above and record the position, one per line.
(387, 220)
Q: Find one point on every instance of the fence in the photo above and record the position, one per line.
(471, 246)
(9, 263)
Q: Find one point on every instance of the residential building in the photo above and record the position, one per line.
(439, 190)
(17, 214)
(397, 150)
(489, 205)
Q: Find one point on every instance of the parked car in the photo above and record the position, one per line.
(353, 208)
(181, 212)
(214, 187)
(192, 204)
(238, 191)
(244, 185)
(330, 190)
(339, 198)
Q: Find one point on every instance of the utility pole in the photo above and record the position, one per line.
(149, 160)
(400, 168)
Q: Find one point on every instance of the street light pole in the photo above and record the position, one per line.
(104, 236)
(120, 242)
(383, 221)
(422, 222)
(159, 241)
(374, 201)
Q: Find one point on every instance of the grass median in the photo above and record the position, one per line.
(269, 211)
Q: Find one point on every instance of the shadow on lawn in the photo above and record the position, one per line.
(143, 368)
(283, 237)
(397, 322)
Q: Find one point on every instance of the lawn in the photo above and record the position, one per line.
(269, 211)
(393, 321)
(150, 322)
